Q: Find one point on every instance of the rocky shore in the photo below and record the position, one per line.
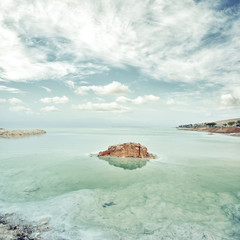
(229, 126)
(14, 228)
(233, 131)
(20, 133)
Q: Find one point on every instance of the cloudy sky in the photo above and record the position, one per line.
(86, 63)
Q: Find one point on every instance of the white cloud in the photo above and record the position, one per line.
(2, 100)
(236, 92)
(50, 109)
(46, 88)
(14, 101)
(170, 101)
(112, 88)
(22, 64)
(55, 100)
(138, 100)
(101, 107)
(9, 89)
(100, 99)
(70, 84)
(20, 109)
(19, 60)
(173, 40)
(230, 100)
(83, 82)
(1, 80)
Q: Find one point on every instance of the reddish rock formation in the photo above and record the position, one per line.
(127, 150)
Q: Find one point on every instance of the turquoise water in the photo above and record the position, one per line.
(192, 191)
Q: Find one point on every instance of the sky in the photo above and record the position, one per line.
(115, 63)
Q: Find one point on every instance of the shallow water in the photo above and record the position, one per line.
(192, 191)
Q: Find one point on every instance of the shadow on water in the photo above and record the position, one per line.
(125, 163)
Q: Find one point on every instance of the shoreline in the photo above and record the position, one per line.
(231, 131)
(13, 227)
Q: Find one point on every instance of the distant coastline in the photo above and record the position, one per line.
(230, 126)
(20, 133)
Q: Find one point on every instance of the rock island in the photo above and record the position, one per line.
(20, 133)
(127, 150)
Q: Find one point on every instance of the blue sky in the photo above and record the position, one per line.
(88, 63)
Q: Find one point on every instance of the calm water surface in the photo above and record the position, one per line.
(192, 191)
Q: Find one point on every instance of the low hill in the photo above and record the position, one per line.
(221, 122)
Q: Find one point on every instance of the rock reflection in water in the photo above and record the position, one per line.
(126, 163)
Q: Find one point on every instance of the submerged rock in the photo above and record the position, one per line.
(127, 150)
(108, 204)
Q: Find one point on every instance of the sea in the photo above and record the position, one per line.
(191, 191)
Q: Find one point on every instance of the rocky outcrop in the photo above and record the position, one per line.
(20, 133)
(13, 227)
(127, 150)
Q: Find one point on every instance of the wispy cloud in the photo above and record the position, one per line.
(14, 101)
(170, 101)
(70, 84)
(2, 100)
(55, 100)
(9, 89)
(184, 41)
(1, 80)
(46, 88)
(101, 107)
(138, 100)
(50, 109)
(112, 88)
(27, 57)
(20, 63)
(83, 82)
(20, 109)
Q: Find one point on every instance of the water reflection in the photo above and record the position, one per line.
(126, 163)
